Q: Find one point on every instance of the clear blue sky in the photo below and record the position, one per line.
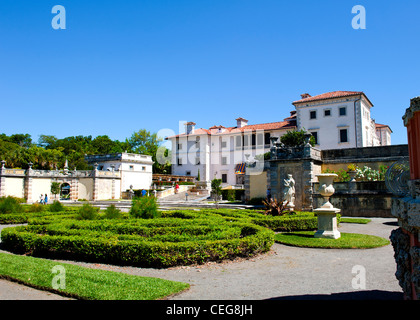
(121, 66)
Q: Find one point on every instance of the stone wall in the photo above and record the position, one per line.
(373, 157)
(359, 198)
(362, 198)
(30, 184)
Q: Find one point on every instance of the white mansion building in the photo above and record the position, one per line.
(339, 119)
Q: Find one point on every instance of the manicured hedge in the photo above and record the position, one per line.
(24, 217)
(148, 243)
(178, 237)
(295, 222)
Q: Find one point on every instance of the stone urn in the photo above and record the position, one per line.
(327, 214)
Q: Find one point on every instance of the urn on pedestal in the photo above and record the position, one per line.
(327, 214)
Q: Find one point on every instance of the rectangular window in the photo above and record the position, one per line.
(327, 112)
(224, 177)
(312, 114)
(224, 144)
(224, 160)
(342, 111)
(179, 161)
(238, 141)
(343, 136)
(131, 168)
(245, 141)
(267, 138)
(188, 173)
(143, 168)
(179, 146)
(315, 135)
(260, 139)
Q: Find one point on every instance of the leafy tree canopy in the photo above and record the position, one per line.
(51, 152)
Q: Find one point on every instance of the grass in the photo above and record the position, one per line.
(355, 220)
(85, 283)
(346, 241)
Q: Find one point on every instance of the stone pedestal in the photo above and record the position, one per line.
(327, 224)
(327, 214)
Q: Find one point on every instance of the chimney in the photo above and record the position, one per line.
(241, 122)
(305, 95)
(190, 126)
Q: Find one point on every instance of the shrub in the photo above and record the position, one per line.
(56, 206)
(10, 205)
(88, 212)
(232, 194)
(150, 243)
(295, 138)
(275, 207)
(36, 207)
(112, 212)
(144, 207)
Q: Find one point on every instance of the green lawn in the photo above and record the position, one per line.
(346, 241)
(354, 220)
(85, 283)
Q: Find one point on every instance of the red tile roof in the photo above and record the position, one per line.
(378, 125)
(330, 95)
(280, 125)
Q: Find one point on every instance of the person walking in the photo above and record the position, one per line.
(41, 199)
(46, 199)
(176, 188)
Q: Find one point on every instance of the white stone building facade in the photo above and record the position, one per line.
(339, 119)
(220, 152)
(112, 175)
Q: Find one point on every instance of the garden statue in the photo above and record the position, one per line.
(131, 192)
(289, 191)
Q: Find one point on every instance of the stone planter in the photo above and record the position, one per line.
(327, 214)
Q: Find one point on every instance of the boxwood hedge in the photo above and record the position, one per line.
(162, 242)
(178, 237)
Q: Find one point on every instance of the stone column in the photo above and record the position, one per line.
(113, 188)
(74, 189)
(2, 179)
(95, 193)
(406, 239)
(412, 122)
(28, 183)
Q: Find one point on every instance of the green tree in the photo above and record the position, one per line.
(296, 138)
(216, 189)
(55, 188)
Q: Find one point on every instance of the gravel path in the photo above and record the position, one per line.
(286, 272)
